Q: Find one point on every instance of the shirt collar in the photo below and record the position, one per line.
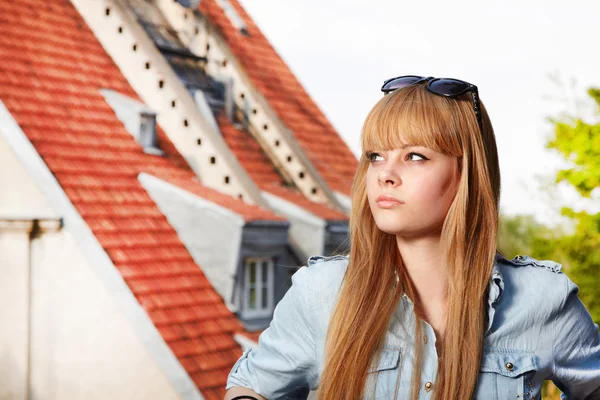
(495, 289)
(496, 284)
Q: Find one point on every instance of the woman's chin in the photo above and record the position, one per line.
(392, 228)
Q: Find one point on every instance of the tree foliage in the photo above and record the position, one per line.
(578, 250)
(579, 143)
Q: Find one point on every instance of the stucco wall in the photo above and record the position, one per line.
(64, 335)
(19, 196)
(82, 346)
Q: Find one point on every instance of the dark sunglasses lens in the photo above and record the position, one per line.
(448, 87)
(399, 83)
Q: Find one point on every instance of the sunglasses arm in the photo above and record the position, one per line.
(477, 108)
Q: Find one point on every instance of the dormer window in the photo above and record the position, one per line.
(257, 288)
(148, 137)
(139, 120)
(193, 4)
(233, 16)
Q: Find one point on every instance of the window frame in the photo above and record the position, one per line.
(258, 312)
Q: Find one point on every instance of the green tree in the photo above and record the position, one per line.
(522, 234)
(579, 249)
(579, 143)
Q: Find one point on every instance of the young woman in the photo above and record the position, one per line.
(425, 306)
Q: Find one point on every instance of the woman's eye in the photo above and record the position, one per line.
(374, 157)
(420, 157)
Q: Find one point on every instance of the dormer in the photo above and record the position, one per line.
(193, 4)
(233, 16)
(139, 120)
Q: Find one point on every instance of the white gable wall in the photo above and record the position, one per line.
(82, 345)
(14, 359)
(211, 233)
(19, 195)
(72, 329)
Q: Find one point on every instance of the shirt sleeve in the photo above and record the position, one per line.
(284, 363)
(576, 349)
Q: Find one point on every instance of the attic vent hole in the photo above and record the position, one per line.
(314, 191)
(120, 29)
(107, 12)
(242, 95)
(185, 122)
(277, 143)
(213, 160)
(301, 175)
(147, 65)
(161, 84)
(289, 158)
(254, 111)
(227, 180)
(134, 47)
(173, 103)
(199, 141)
(265, 127)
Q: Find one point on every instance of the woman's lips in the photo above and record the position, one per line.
(385, 201)
(388, 204)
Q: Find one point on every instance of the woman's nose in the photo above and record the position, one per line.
(388, 177)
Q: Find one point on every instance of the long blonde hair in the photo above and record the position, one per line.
(369, 294)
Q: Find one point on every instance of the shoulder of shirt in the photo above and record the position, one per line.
(338, 259)
(322, 275)
(542, 283)
(325, 269)
(528, 261)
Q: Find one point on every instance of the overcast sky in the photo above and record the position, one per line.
(342, 50)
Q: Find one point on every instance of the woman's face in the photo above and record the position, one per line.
(410, 189)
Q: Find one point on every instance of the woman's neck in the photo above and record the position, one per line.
(426, 267)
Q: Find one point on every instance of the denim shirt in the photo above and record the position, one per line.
(538, 329)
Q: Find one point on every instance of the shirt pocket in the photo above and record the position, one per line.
(382, 375)
(506, 374)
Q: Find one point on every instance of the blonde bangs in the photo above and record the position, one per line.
(413, 116)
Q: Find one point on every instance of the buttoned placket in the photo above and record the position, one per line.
(496, 287)
(431, 359)
(430, 355)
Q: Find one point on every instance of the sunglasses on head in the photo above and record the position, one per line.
(447, 87)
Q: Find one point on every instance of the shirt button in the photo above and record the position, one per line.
(509, 366)
(428, 386)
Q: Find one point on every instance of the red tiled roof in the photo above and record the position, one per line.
(190, 183)
(249, 153)
(276, 82)
(52, 68)
(295, 197)
(263, 173)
